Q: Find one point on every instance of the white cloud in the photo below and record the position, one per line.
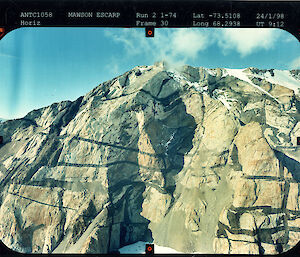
(183, 45)
(124, 37)
(176, 46)
(246, 40)
(295, 64)
(188, 42)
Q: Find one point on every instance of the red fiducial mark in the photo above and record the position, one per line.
(2, 32)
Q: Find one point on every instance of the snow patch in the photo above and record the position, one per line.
(169, 142)
(211, 72)
(139, 248)
(182, 79)
(225, 101)
(176, 75)
(222, 96)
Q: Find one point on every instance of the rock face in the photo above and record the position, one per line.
(199, 160)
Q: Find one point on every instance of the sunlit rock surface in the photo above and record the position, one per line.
(195, 159)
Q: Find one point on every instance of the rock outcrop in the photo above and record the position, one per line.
(199, 160)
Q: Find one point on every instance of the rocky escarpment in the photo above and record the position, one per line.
(199, 160)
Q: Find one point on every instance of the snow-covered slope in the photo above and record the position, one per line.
(240, 74)
(281, 77)
(252, 76)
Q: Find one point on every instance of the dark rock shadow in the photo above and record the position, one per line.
(125, 188)
(292, 165)
(171, 139)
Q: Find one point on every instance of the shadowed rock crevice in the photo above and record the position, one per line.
(172, 142)
(65, 116)
(292, 165)
(126, 225)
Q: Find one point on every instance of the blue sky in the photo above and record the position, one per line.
(40, 66)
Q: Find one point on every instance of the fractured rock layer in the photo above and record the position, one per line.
(199, 160)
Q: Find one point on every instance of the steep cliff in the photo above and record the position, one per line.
(199, 160)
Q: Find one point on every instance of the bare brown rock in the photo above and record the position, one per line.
(195, 159)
